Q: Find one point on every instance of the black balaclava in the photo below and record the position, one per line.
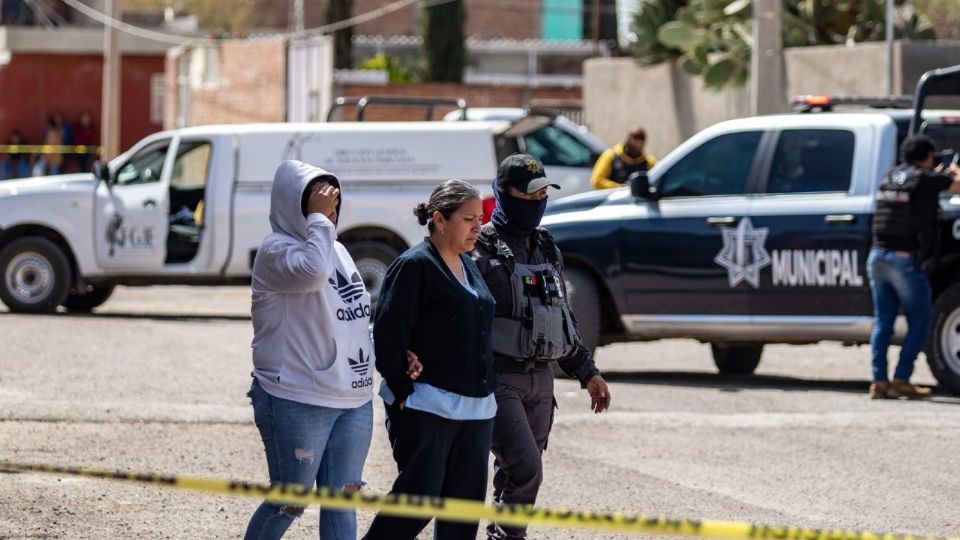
(516, 217)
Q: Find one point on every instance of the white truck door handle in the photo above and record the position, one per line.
(717, 221)
(840, 218)
(149, 203)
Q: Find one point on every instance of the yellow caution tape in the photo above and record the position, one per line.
(48, 149)
(420, 506)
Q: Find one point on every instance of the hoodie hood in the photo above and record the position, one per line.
(289, 183)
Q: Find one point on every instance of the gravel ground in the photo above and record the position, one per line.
(155, 381)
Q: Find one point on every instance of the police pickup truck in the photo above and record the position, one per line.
(757, 231)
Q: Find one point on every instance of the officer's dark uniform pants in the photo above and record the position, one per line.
(524, 417)
(438, 457)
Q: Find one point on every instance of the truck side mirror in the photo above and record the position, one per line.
(102, 172)
(640, 186)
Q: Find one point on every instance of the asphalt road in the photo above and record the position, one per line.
(156, 382)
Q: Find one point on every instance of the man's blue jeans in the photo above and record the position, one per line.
(897, 282)
(306, 444)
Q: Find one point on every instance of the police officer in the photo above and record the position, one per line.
(533, 326)
(616, 164)
(904, 236)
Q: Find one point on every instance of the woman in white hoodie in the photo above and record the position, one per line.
(312, 354)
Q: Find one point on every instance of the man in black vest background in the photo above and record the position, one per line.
(533, 326)
(904, 235)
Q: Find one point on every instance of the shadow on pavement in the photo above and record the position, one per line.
(736, 383)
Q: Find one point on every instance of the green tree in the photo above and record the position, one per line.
(397, 73)
(945, 15)
(338, 10)
(646, 48)
(712, 38)
(444, 45)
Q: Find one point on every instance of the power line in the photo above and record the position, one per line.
(176, 39)
(138, 31)
(365, 17)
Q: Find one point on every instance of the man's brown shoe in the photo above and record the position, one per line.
(900, 388)
(878, 390)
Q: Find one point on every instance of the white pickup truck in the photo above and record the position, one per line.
(190, 206)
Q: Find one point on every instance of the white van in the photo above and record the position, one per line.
(191, 205)
(567, 150)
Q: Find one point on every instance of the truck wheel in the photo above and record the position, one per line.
(35, 275)
(85, 303)
(943, 347)
(585, 301)
(736, 359)
(373, 259)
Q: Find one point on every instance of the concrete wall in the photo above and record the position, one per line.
(617, 93)
(72, 40)
(246, 91)
(673, 106)
(242, 90)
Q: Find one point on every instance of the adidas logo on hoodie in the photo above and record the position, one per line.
(361, 366)
(349, 291)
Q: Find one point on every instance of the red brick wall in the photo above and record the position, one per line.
(246, 91)
(518, 19)
(256, 91)
(475, 95)
(34, 86)
(403, 22)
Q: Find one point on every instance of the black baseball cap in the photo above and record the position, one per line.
(523, 172)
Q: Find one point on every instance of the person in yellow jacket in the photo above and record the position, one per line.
(615, 165)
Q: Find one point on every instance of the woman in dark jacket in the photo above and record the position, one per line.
(434, 303)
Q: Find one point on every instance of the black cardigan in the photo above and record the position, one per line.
(424, 308)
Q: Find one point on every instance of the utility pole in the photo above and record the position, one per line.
(298, 16)
(766, 59)
(596, 27)
(889, 37)
(110, 104)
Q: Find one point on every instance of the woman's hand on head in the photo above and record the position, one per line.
(323, 200)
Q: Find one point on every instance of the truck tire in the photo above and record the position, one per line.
(372, 259)
(943, 347)
(85, 303)
(585, 301)
(35, 275)
(739, 359)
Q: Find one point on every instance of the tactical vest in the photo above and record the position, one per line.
(540, 324)
(621, 170)
(894, 224)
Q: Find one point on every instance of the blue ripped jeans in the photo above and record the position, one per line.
(896, 283)
(306, 444)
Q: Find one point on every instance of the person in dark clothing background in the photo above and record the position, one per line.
(435, 306)
(15, 164)
(533, 327)
(85, 134)
(904, 236)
